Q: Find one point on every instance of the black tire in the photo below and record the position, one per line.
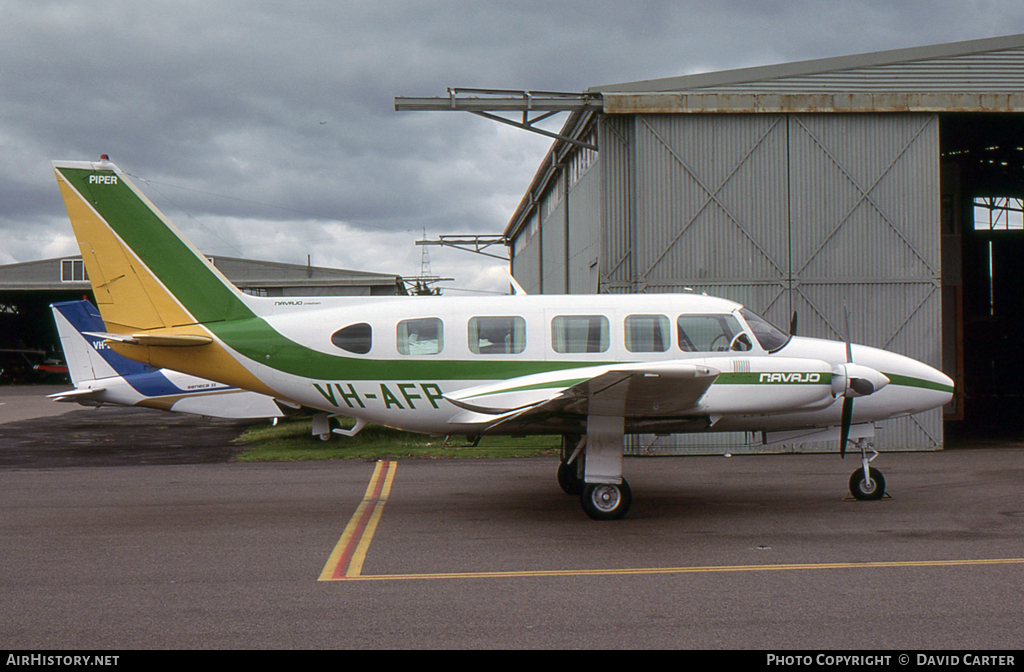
(606, 501)
(875, 489)
(568, 480)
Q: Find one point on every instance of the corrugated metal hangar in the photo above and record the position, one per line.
(797, 188)
(28, 335)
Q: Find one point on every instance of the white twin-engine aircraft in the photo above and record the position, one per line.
(590, 368)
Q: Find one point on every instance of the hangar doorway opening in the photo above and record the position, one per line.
(983, 272)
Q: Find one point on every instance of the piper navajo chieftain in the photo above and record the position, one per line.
(590, 368)
(101, 376)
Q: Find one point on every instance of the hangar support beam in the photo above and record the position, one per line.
(486, 102)
(470, 243)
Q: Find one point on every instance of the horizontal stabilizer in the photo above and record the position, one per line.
(76, 395)
(155, 339)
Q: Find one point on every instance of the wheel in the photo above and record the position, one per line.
(568, 480)
(874, 488)
(326, 436)
(606, 501)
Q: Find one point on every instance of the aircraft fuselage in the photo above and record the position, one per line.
(392, 375)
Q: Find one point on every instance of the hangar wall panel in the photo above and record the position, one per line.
(553, 241)
(561, 243)
(783, 213)
(711, 191)
(585, 232)
(526, 255)
(617, 230)
(866, 233)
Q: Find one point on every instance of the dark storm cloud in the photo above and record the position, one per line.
(272, 121)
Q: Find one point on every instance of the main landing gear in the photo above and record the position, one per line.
(600, 501)
(867, 483)
(606, 501)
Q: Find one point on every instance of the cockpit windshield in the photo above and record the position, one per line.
(768, 335)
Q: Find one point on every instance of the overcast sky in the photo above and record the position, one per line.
(267, 130)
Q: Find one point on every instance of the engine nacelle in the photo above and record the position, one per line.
(855, 380)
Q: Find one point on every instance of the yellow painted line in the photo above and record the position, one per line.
(346, 560)
(681, 570)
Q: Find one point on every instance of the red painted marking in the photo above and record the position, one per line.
(341, 569)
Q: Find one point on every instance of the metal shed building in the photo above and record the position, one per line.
(796, 188)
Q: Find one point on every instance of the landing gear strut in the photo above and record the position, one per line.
(867, 483)
(590, 466)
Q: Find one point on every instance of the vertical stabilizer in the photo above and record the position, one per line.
(152, 287)
(88, 357)
(145, 275)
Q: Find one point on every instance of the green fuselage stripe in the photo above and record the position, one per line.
(258, 341)
(908, 381)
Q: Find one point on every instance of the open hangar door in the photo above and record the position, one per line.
(983, 273)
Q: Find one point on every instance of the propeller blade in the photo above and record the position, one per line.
(849, 345)
(847, 421)
(792, 325)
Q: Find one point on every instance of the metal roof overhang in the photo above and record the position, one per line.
(829, 103)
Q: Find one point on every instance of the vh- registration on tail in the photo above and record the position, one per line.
(589, 368)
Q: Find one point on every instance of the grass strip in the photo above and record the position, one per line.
(291, 441)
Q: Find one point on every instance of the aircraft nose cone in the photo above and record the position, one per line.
(947, 384)
(934, 387)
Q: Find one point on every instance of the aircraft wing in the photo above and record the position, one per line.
(649, 390)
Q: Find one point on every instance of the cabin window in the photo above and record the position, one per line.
(424, 336)
(497, 335)
(711, 333)
(356, 338)
(647, 333)
(768, 335)
(579, 333)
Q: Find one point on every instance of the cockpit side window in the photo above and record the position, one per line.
(424, 336)
(768, 335)
(355, 338)
(711, 333)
